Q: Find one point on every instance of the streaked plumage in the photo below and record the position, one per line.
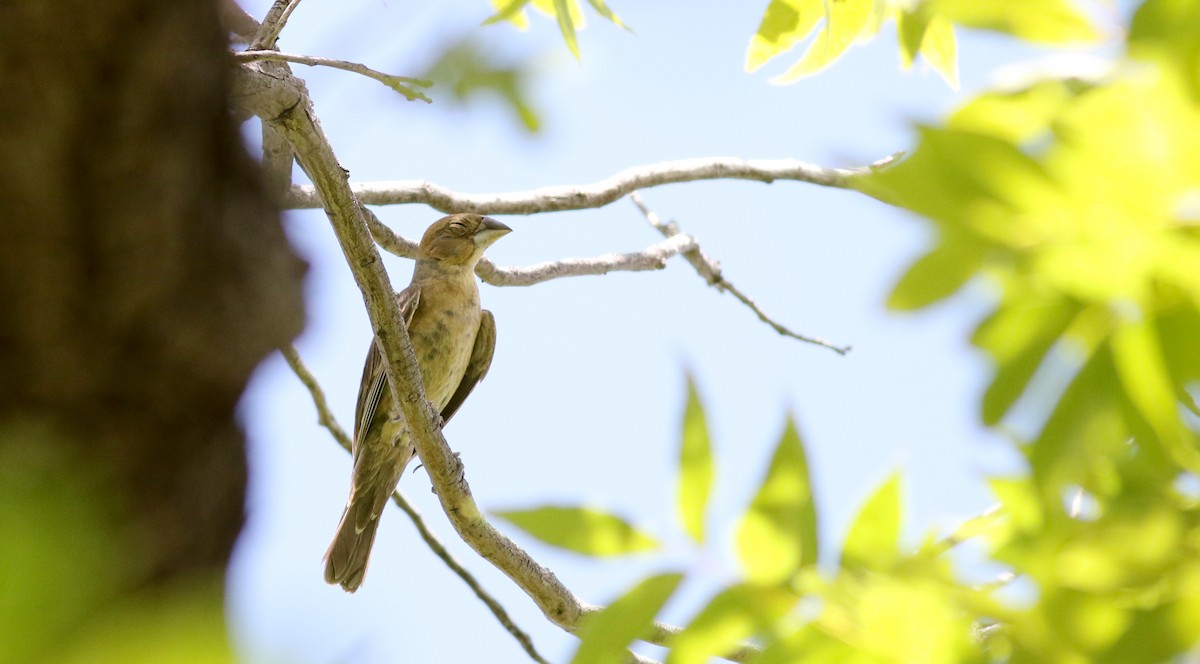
(453, 340)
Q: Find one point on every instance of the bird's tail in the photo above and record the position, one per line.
(346, 559)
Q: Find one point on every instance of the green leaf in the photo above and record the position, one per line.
(183, 622)
(1147, 384)
(911, 23)
(1046, 21)
(938, 275)
(1169, 31)
(605, 635)
(603, 10)
(695, 465)
(785, 23)
(471, 74)
(581, 529)
(778, 534)
(846, 21)
(510, 10)
(1018, 116)
(566, 24)
(1018, 335)
(930, 36)
(874, 538)
(970, 180)
(940, 50)
(736, 613)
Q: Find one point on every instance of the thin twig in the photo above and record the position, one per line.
(326, 419)
(710, 271)
(653, 257)
(402, 84)
(599, 194)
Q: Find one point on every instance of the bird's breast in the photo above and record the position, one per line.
(443, 333)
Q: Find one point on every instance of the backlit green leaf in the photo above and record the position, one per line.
(778, 533)
(937, 275)
(566, 24)
(874, 538)
(695, 465)
(735, 614)
(785, 24)
(605, 635)
(845, 22)
(1047, 21)
(581, 529)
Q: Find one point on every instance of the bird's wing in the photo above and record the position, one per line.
(374, 378)
(481, 359)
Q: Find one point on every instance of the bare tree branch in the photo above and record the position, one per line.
(445, 470)
(326, 419)
(237, 21)
(599, 194)
(402, 84)
(280, 100)
(653, 257)
(710, 270)
(272, 24)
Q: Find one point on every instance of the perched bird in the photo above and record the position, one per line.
(453, 340)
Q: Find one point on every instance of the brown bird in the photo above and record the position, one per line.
(453, 340)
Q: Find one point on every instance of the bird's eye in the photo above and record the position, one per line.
(458, 228)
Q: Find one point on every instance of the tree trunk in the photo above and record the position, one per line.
(143, 275)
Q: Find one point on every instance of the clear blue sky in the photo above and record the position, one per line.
(585, 394)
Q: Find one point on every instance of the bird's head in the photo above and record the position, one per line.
(460, 239)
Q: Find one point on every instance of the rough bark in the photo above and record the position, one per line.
(143, 271)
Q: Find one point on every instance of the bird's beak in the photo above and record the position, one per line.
(491, 231)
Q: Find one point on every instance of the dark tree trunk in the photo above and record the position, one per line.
(143, 275)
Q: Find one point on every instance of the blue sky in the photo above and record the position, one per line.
(585, 394)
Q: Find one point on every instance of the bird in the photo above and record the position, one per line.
(453, 340)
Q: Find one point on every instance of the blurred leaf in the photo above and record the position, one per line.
(1144, 376)
(1160, 634)
(970, 180)
(940, 50)
(566, 24)
(61, 558)
(1016, 116)
(1046, 21)
(603, 10)
(778, 534)
(939, 274)
(911, 23)
(567, 13)
(1018, 335)
(605, 635)
(929, 36)
(512, 11)
(874, 538)
(811, 643)
(468, 72)
(183, 624)
(845, 22)
(581, 529)
(785, 24)
(695, 465)
(1169, 31)
(735, 614)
